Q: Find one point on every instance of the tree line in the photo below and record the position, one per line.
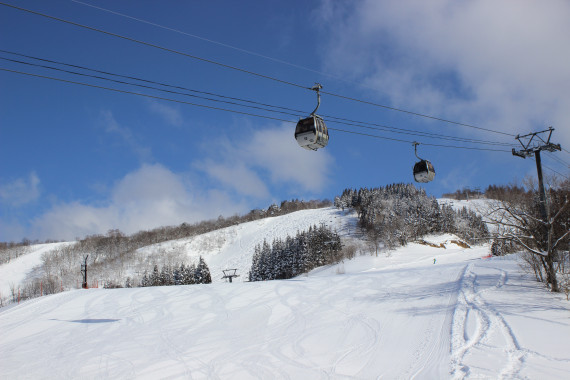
(171, 275)
(287, 258)
(399, 213)
(499, 192)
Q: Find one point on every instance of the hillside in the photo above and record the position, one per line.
(227, 248)
(16, 271)
(233, 247)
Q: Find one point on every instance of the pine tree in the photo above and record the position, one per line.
(166, 276)
(155, 277)
(145, 280)
(289, 258)
(265, 261)
(188, 276)
(202, 274)
(178, 274)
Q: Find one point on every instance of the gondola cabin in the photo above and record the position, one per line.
(424, 171)
(311, 133)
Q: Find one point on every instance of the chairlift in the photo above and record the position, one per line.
(311, 133)
(423, 169)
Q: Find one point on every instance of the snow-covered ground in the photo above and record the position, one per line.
(14, 272)
(478, 205)
(399, 315)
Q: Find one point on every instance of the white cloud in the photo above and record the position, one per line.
(236, 176)
(170, 114)
(269, 157)
(150, 197)
(499, 64)
(20, 191)
(143, 153)
(154, 196)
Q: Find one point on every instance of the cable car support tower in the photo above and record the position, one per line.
(529, 151)
(535, 150)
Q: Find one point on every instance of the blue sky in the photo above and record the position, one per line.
(76, 160)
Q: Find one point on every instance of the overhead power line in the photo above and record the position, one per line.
(235, 111)
(247, 71)
(262, 106)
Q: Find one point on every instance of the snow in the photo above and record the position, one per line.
(233, 247)
(397, 315)
(14, 272)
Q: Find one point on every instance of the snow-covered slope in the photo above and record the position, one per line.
(14, 272)
(226, 248)
(392, 317)
(233, 247)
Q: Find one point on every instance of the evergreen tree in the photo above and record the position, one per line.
(202, 273)
(145, 280)
(188, 276)
(289, 258)
(166, 276)
(178, 274)
(155, 277)
(254, 274)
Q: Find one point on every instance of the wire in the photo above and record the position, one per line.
(144, 86)
(155, 46)
(211, 41)
(413, 132)
(423, 143)
(336, 77)
(354, 123)
(552, 170)
(147, 81)
(140, 94)
(234, 111)
(248, 71)
(558, 159)
(415, 113)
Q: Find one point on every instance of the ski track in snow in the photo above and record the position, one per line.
(480, 329)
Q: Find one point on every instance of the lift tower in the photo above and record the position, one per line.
(530, 150)
(534, 150)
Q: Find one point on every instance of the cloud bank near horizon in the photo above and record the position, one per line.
(232, 178)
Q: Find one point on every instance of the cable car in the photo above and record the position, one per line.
(423, 169)
(311, 133)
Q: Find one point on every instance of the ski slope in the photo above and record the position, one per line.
(392, 317)
(233, 247)
(16, 271)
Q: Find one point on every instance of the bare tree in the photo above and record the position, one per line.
(521, 221)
